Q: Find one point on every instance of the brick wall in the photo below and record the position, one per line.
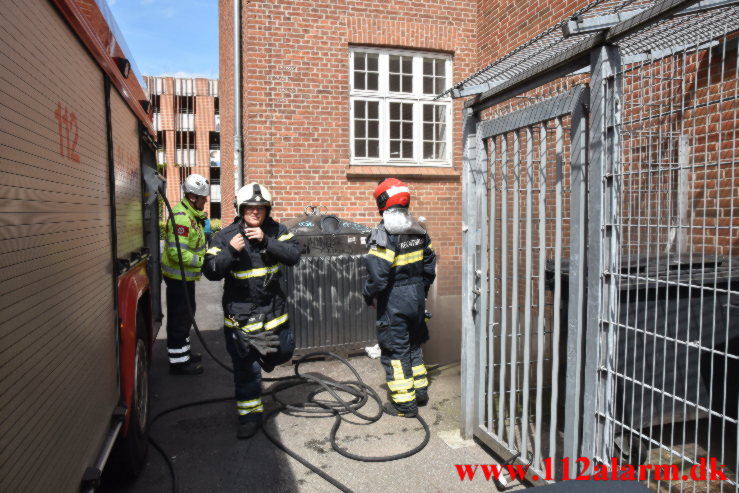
(506, 24)
(670, 201)
(296, 107)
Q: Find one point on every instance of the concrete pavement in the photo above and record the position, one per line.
(201, 442)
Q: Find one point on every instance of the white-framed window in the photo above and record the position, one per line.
(393, 116)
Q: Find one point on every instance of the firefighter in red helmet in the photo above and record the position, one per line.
(402, 266)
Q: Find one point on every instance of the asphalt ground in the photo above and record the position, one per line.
(202, 446)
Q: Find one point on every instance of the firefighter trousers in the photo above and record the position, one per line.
(248, 373)
(178, 319)
(401, 330)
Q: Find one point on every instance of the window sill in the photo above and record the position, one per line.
(415, 172)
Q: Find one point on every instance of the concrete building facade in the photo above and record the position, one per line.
(187, 120)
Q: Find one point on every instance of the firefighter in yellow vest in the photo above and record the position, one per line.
(190, 220)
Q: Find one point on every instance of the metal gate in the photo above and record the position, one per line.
(601, 301)
(534, 160)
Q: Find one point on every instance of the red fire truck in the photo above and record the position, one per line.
(79, 248)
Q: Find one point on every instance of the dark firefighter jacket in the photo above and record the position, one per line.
(252, 275)
(397, 260)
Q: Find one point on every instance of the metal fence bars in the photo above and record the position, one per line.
(600, 294)
(536, 210)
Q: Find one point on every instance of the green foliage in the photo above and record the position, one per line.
(215, 225)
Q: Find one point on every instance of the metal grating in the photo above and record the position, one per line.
(553, 44)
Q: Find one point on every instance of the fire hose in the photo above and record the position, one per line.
(359, 391)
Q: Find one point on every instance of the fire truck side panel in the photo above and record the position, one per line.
(58, 384)
(129, 214)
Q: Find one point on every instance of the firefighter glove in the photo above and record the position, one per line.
(265, 342)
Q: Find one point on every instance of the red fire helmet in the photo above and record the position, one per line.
(392, 192)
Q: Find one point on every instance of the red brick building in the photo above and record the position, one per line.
(186, 118)
(337, 95)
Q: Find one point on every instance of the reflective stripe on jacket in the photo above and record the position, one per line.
(189, 231)
(402, 259)
(251, 276)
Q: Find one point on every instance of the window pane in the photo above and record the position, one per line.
(408, 112)
(395, 83)
(439, 84)
(428, 85)
(373, 110)
(441, 150)
(407, 65)
(407, 149)
(428, 150)
(372, 82)
(395, 111)
(360, 148)
(407, 83)
(360, 129)
(394, 64)
(394, 130)
(407, 130)
(359, 60)
(440, 68)
(428, 66)
(372, 63)
(359, 80)
(428, 131)
(373, 129)
(359, 109)
(373, 148)
(428, 112)
(394, 148)
(440, 113)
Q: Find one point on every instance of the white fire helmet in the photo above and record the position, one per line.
(196, 185)
(253, 194)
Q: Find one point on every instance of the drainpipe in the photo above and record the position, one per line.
(238, 158)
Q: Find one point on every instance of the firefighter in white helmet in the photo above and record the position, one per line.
(248, 254)
(190, 220)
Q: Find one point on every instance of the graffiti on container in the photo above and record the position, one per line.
(326, 243)
(354, 226)
(305, 224)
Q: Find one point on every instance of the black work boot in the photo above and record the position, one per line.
(248, 429)
(390, 408)
(422, 399)
(186, 368)
(196, 357)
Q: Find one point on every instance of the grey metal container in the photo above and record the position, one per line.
(324, 289)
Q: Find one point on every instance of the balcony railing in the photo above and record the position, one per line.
(185, 121)
(184, 87)
(185, 157)
(215, 193)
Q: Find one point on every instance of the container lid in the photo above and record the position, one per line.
(313, 223)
